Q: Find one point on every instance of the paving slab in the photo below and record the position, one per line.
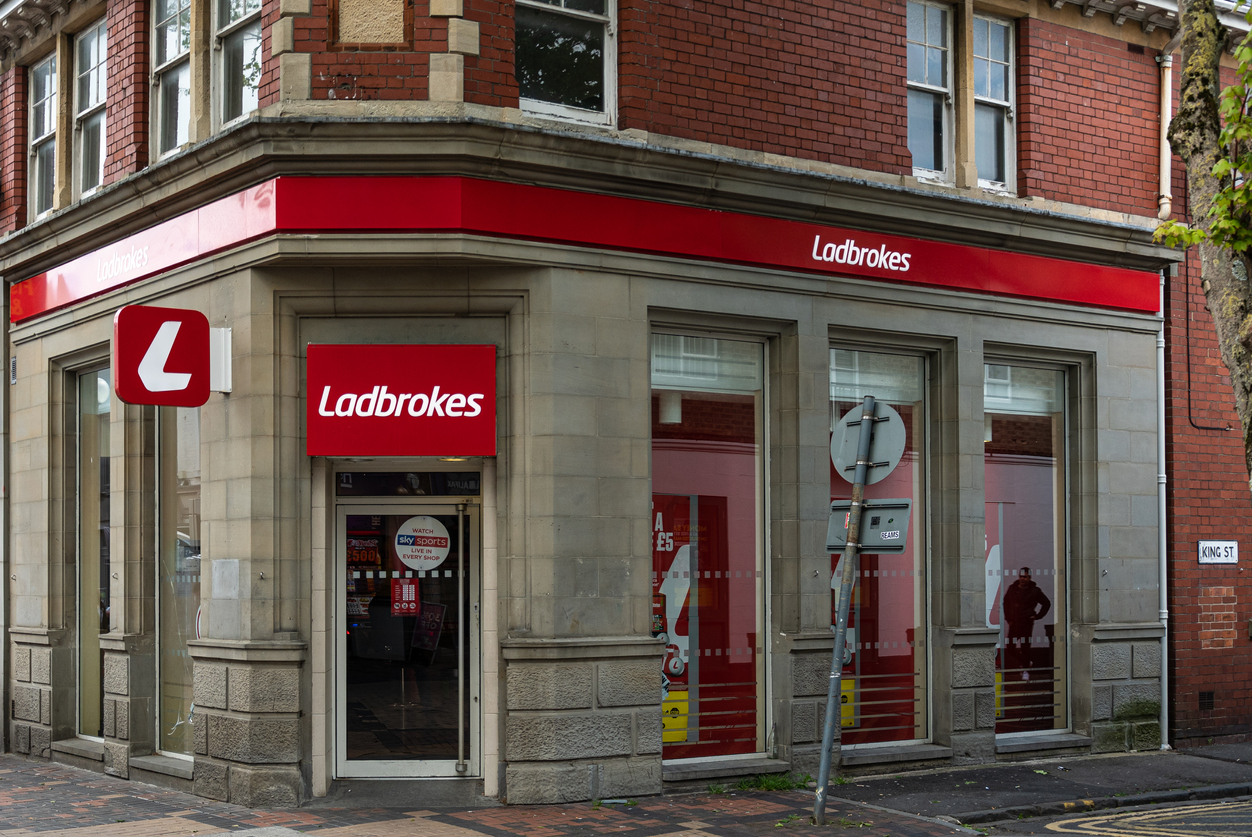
(38, 798)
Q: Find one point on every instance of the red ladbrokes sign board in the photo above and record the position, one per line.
(400, 400)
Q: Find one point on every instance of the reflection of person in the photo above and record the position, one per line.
(1024, 604)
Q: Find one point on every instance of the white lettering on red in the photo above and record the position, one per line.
(850, 254)
(381, 403)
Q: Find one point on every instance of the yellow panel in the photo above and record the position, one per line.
(847, 702)
(674, 711)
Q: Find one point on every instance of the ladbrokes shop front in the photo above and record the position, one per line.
(513, 486)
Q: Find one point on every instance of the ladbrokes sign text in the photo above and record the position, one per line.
(401, 400)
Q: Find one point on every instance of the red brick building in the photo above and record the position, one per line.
(695, 235)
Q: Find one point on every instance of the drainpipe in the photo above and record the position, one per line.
(1161, 540)
(1164, 209)
(1165, 201)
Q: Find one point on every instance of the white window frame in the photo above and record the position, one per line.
(41, 140)
(222, 30)
(607, 116)
(1006, 106)
(943, 175)
(86, 111)
(171, 65)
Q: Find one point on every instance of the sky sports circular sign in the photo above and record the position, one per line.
(422, 543)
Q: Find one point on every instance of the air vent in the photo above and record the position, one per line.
(1206, 701)
(13, 370)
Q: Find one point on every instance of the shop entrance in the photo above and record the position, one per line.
(408, 657)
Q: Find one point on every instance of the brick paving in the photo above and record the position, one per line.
(37, 798)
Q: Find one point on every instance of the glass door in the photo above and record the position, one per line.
(408, 657)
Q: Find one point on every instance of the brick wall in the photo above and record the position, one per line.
(822, 81)
(1088, 116)
(489, 78)
(126, 144)
(369, 74)
(1208, 500)
(12, 150)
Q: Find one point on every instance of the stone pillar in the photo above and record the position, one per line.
(129, 712)
(31, 731)
(584, 719)
(247, 720)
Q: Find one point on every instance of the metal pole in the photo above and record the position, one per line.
(460, 639)
(850, 551)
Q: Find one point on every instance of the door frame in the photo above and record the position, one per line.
(470, 666)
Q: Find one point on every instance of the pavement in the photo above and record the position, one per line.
(38, 798)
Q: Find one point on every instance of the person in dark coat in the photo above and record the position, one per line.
(1024, 604)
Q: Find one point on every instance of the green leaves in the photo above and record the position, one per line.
(1228, 223)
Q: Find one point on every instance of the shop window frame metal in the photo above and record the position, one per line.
(476, 508)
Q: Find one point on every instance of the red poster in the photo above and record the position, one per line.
(404, 601)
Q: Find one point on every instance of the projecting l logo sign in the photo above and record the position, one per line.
(161, 356)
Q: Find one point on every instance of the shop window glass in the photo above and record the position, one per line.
(1025, 505)
(707, 579)
(178, 595)
(94, 571)
(884, 675)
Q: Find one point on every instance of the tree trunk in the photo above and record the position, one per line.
(1195, 137)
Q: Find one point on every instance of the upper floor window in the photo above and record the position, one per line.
(89, 107)
(943, 100)
(172, 74)
(993, 100)
(238, 33)
(43, 135)
(565, 58)
(930, 91)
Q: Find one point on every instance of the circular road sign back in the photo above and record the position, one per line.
(887, 446)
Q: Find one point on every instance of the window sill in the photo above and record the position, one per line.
(80, 747)
(164, 765)
(696, 771)
(563, 113)
(1053, 741)
(889, 754)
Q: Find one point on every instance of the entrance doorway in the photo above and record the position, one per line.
(407, 657)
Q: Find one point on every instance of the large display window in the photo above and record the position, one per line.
(883, 686)
(707, 535)
(1025, 478)
(179, 562)
(95, 589)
